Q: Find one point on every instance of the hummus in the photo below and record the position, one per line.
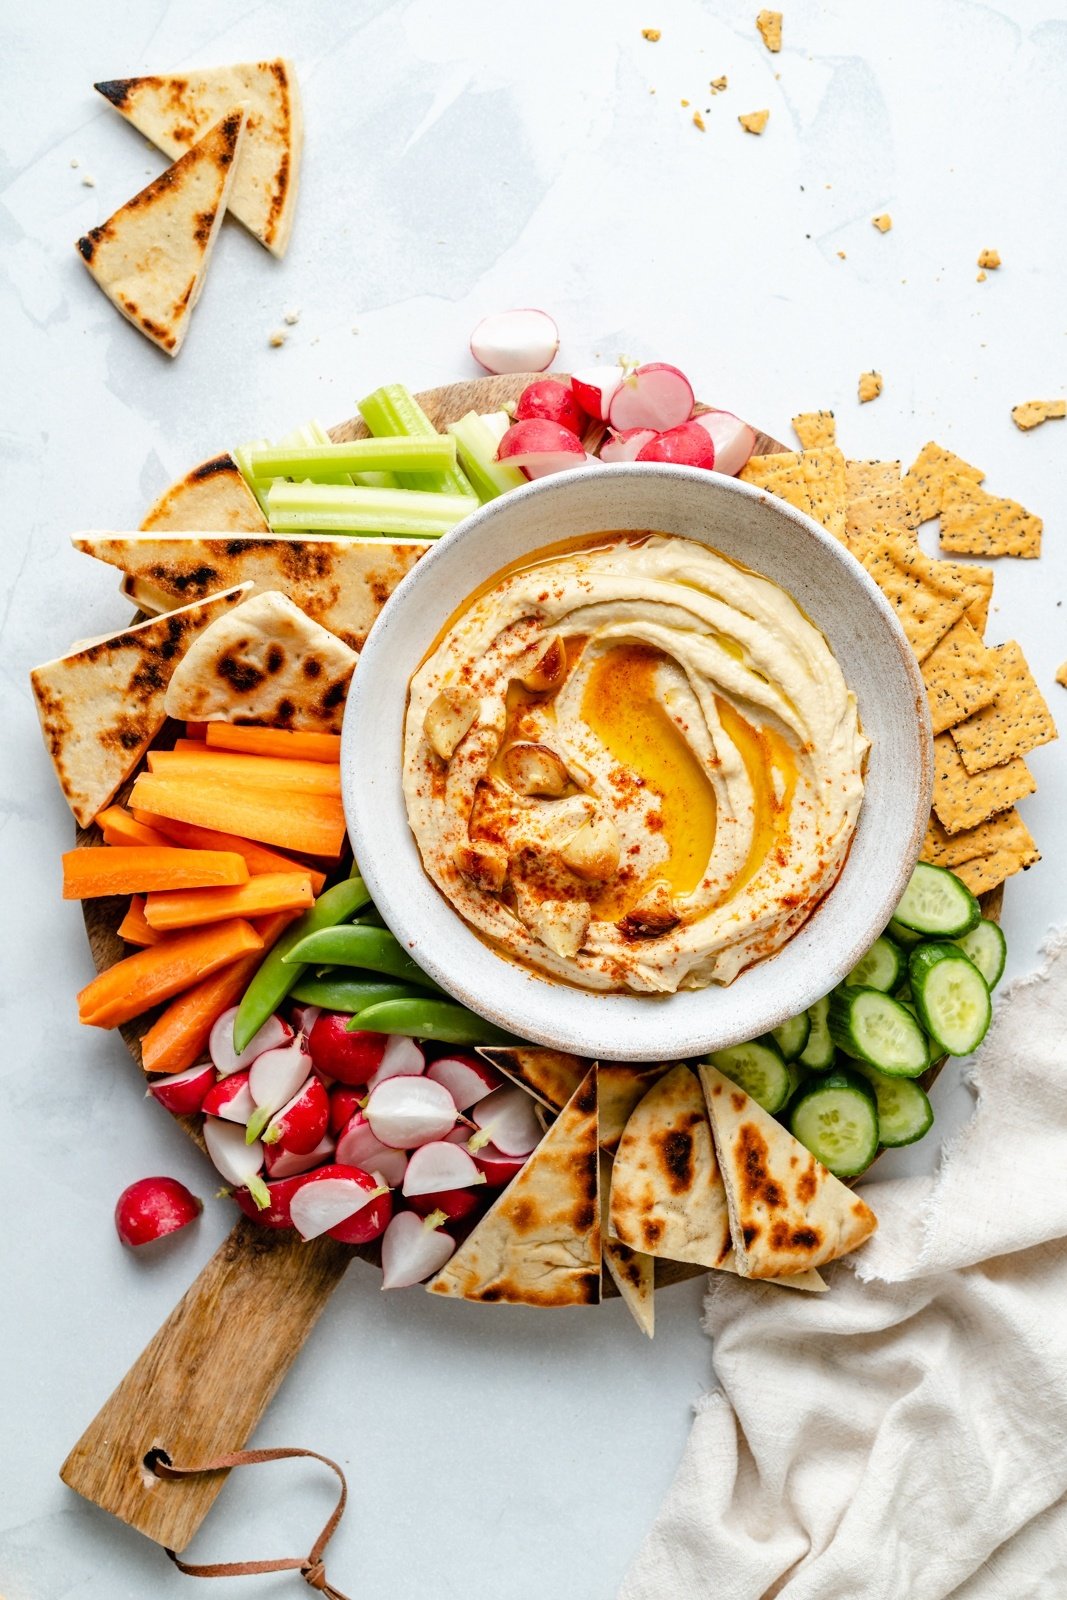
(633, 764)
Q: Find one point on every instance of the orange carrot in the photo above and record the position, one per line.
(135, 869)
(253, 772)
(195, 730)
(179, 1035)
(118, 827)
(193, 908)
(313, 824)
(150, 976)
(258, 857)
(274, 742)
(133, 927)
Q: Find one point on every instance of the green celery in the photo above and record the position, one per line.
(324, 463)
(243, 455)
(370, 480)
(477, 442)
(392, 412)
(328, 508)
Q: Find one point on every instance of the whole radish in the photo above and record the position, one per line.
(688, 445)
(540, 447)
(656, 396)
(523, 340)
(350, 1058)
(182, 1094)
(153, 1207)
(553, 401)
(595, 388)
(412, 1251)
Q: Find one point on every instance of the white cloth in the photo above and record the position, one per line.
(903, 1437)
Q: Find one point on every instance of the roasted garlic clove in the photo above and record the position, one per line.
(561, 925)
(448, 719)
(534, 769)
(548, 667)
(485, 864)
(593, 853)
(654, 914)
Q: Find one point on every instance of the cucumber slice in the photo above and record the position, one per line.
(951, 996)
(880, 968)
(901, 935)
(837, 1120)
(987, 947)
(792, 1036)
(904, 1109)
(937, 903)
(874, 1027)
(759, 1068)
(818, 1053)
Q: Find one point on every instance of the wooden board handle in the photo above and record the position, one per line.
(193, 1392)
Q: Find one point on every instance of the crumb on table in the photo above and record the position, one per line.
(883, 222)
(769, 24)
(989, 260)
(653, 35)
(754, 121)
(870, 386)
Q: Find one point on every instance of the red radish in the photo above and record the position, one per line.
(348, 1204)
(541, 447)
(412, 1251)
(274, 1078)
(403, 1058)
(498, 1168)
(734, 440)
(344, 1103)
(282, 1163)
(232, 1155)
(653, 396)
(305, 1018)
(688, 445)
(183, 1093)
(524, 340)
(300, 1124)
(407, 1112)
(552, 400)
(230, 1098)
(349, 1057)
(274, 1032)
(466, 1077)
(357, 1147)
(440, 1165)
(595, 388)
(625, 446)
(275, 1214)
(152, 1207)
(509, 1118)
(455, 1203)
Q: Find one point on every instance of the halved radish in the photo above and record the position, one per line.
(402, 1058)
(653, 396)
(688, 445)
(455, 1203)
(406, 1112)
(305, 1018)
(279, 1193)
(440, 1165)
(412, 1251)
(553, 401)
(230, 1098)
(466, 1077)
(625, 446)
(232, 1155)
(734, 440)
(508, 1117)
(281, 1163)
(274, 1032)
(344, 1103)
(523, 340)
(348, 1056)
(276, 1075)
(334, 1199)
(358, 1147)
(498, 1168)
(595, 388)
(541, 447)
(183, 1093)
(302, 1121)
(152, 1207)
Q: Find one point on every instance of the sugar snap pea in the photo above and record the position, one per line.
(355, 945)
(351, 994)
(444, 1020)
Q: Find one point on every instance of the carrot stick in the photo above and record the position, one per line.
(258, 857)
(255, 772)
(135, 869)
(178, 1037)
(133, 927)
(150, 976)
(274, 742)
(192, 908)
(313, 824)
(118, 827)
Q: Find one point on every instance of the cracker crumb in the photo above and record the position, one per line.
(88, 181)
(718, 84)
(841, 256)
(1033, 412)
(870, 386)
(355, 330)
(685, 102)
(698, 122)
(74, 161)
(883, 222)
(754, 121)
(980, 278)
(653, 35)
(990, 260)
(277, 338)
(1061, 675)
(291, 318)
(769, 24)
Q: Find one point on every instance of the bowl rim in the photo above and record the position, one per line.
(675, 1044)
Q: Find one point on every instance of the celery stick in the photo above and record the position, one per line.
(242, 455)
(392, 412)
(327, 508)
(477, 444)
(323, 463)
(372, 480)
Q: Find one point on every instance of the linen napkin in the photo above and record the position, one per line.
(903, 1437)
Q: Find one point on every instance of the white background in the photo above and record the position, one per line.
(461, 158)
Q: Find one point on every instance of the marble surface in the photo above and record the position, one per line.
(461, 158)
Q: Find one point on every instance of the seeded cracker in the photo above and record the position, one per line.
(1033, 412)
(978, 581)
(926, 600)
(781, 475)
(976, 523)
(961, 676)
(999, 836)
(824, 472)
(870, 386)
(875, 501)
(769, 24)
(963, 800)
(1016, 722)
(925, 479)
(815, 429)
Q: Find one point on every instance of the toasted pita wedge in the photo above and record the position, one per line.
(787, 1212)
(150, 258)
(268, 665)
(341, 583)
(214, 496)
(621, 1086)
(539, 1243)
(633, 1273)
(102, 705)
(551, 1076)
(174, 111)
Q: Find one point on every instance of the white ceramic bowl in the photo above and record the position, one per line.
(864, 635)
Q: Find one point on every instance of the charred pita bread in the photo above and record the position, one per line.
(539, 1243)
(620, 1087)
(632, 1272)
(787, 1212)
(150, 258)
(551, 1076)
(214, 496)
(266, 664)
(102, 705)
(341, 583)
(175, 110)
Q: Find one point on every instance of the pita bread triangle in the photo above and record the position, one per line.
(787, 1211)
(150, 258)
(176, 109)
(632, 1272)
(539, 1243)
(551, 1076)
(101, 706)
(213, 495)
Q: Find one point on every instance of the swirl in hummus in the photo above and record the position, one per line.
(633, 765)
